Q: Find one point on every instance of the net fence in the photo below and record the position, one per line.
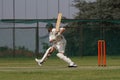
(27, 38)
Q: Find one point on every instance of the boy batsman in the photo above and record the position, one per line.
(58, 43)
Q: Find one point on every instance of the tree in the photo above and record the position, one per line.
(100, 9)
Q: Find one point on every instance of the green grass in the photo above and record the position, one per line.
(56, 69)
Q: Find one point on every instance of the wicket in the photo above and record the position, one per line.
(101, 53)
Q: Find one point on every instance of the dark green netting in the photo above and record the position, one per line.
(31, 21)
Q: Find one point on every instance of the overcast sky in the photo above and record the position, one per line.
(40, 9)
(31, 9)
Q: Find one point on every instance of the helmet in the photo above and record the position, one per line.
(49, 25)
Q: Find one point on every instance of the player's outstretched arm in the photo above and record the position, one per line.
(61, 30)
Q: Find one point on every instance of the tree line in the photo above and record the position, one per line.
(82, 37)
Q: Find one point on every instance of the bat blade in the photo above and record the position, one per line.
(58, 21)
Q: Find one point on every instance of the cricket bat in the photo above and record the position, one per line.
(58, 21)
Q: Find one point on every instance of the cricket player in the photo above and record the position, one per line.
(58, 43)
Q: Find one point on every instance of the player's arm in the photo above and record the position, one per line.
(51, 40)
(52, 37)
(61, 30)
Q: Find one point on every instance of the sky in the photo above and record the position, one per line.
(41, 9)
(31, 9)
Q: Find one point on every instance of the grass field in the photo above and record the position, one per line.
(56, 69)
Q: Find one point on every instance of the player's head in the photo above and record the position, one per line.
(49, 26)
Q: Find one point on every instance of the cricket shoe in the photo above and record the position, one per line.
(39, 61)
(72, 65)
